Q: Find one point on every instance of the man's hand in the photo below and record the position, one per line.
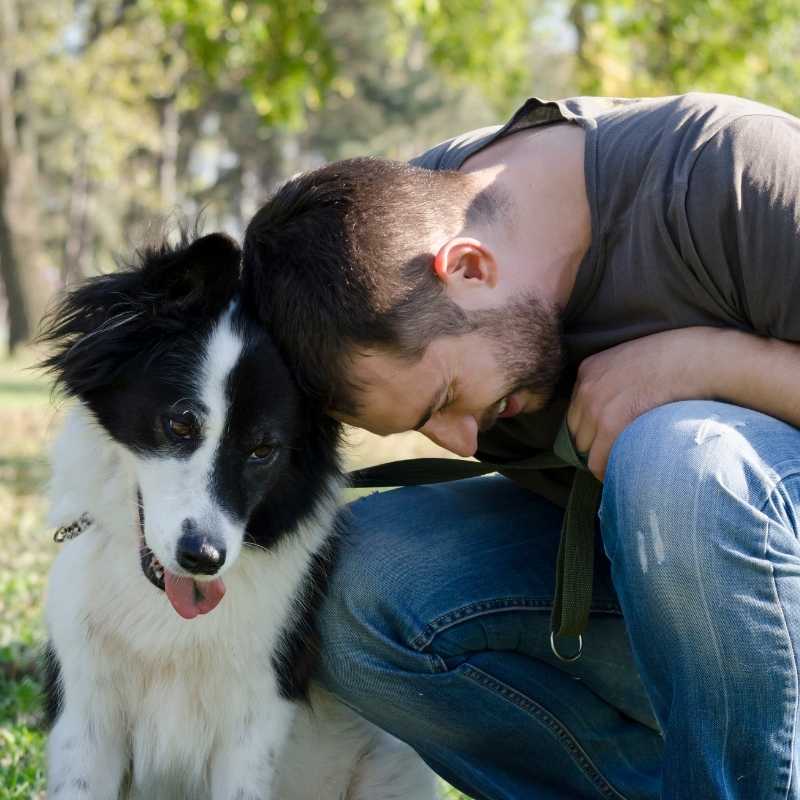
(617, 385)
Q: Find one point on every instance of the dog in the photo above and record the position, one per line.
(195, 491)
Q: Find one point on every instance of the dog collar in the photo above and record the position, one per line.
(73, 529)
(78, 526)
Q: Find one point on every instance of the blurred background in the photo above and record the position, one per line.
(120, 119)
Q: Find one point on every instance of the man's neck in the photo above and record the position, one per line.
(541, 172)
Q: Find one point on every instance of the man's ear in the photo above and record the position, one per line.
(463, 263)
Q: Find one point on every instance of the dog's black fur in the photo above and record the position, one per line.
(127, 345)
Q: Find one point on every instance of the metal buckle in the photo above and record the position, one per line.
(561, 657)
(76, 528)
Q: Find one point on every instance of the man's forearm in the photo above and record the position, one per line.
(751, 371)
(616, 386)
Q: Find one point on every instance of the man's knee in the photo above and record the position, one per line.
(686, 483)
(684, 462)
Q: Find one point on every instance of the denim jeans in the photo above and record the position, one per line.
(436, 627)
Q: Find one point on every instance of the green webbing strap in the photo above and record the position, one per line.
(575, 565)
(418, 471)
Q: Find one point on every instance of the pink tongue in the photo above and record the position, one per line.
(189, 597)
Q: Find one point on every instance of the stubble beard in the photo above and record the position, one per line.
(526, 334)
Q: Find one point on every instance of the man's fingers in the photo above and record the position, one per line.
(598, 457)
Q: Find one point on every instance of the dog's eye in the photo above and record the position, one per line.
(263, 451)
(184, 426)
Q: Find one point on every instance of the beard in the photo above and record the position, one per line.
(528, 346)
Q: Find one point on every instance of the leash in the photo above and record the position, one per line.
(575, 562)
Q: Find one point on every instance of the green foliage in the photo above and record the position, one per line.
(645, 47)
(21, 750)
(276, 51)
(485, 44)
(281, 53)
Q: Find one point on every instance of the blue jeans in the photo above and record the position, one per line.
(437, 624)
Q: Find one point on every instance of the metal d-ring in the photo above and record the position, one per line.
(558, 655)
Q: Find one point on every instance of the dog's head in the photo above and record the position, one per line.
(223, 449)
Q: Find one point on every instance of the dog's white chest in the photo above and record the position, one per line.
(185, 715)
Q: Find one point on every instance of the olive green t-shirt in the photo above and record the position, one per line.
(695, 214)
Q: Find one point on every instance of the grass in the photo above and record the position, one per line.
(28, 421)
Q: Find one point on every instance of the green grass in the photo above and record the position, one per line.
(25, 555)
(27, 423)
(21, 384)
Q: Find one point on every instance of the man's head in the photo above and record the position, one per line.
(383, 285)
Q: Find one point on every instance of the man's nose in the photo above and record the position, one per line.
(459, 435)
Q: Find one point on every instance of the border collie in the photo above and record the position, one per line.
(195, 490)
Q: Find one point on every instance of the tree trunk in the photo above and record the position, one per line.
(588, 74)
(78, 234)
(168, 166)
(21, 256)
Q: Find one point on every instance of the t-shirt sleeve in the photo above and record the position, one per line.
(452, 153)
(742, 205)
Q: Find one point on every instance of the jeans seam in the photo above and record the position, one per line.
(552, 723)
(787, 632)
(481, 607)
(794, 664)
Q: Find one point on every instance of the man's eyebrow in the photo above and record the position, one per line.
(431, 410)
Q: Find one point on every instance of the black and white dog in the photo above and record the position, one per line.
(196, 491)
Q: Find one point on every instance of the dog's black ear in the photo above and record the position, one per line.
(99, 327)
(199, 278)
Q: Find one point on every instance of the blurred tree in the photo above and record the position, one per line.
(486, 44)
(224, 99)
(651, 47)
(21, 256)
(116, 112)
(283, 54)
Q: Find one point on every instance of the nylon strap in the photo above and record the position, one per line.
(418, 471)
(575, 565)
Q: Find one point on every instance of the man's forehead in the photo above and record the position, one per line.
(394, 393)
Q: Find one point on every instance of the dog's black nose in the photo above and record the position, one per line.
(199, 553)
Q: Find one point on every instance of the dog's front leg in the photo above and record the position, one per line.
(243, 767)
(86, 758)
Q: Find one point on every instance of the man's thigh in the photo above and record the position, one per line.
(467, 567)
(701, 521)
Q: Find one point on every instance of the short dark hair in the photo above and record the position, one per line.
(339, 261)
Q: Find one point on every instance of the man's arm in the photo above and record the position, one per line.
(741, 229)
(616, 386)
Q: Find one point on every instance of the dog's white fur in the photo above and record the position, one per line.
(157, 707)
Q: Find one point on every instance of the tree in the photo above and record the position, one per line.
(649, 47)
(114, 127)
(21, 257)
(114, 113)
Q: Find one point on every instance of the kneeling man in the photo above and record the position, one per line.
(626, 269)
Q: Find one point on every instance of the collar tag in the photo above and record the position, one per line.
(76, 528)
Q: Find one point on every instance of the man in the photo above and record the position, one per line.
(632, 266)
